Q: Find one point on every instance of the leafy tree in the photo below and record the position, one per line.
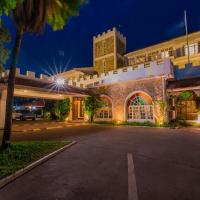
(92, 104)
(4, 53)
(31, 16)
(6, 6)
(49, 110)
(57, 109)
(62, 109)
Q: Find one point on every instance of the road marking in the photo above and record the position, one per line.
(132, 187)
(36, 129)
(53, 127)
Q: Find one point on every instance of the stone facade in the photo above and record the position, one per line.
(108, 51)
(120, 92)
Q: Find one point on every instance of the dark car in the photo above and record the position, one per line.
(26, 114)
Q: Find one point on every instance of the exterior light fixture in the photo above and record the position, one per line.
(60, 82)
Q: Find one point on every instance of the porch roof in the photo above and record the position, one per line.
(46, 85)
(184, 83)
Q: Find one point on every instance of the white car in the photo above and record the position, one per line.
(16, 115)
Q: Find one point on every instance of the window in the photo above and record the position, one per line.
(166, 53)
(105, 112)
(178, 52)
(193, 49)
(131, 61)
(139, 109)
(152, 56)
(104, 66)
(141, 59)
(104, 47)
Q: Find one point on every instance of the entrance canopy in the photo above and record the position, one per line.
(38, 88)
(31, 87)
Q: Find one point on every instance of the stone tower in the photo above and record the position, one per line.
(108, 51)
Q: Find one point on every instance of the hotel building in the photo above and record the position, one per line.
(157, 83)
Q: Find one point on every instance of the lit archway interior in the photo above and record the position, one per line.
(105, 112)
(140, 107)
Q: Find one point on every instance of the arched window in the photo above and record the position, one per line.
(105, 112)
(140, 108)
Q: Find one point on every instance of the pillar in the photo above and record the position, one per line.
(70, 118)
(3, 96)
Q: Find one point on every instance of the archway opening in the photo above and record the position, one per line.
(105, 112)
(187, 106)
(140, 108)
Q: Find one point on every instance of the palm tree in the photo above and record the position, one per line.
(4, 52)
(31, 16)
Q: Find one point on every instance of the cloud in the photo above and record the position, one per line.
(176, 29)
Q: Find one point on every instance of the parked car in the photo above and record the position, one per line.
(26, 114)
(16, 115)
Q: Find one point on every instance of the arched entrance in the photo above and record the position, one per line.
(139, 107)
(105, 112)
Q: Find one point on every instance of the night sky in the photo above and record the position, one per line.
(143, 22)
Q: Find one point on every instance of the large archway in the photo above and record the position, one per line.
(187, 106)
(139, 107)
(105, 112)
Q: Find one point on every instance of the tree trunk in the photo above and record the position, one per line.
(92, 118)
(10, 90)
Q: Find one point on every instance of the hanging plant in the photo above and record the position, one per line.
(185, 95)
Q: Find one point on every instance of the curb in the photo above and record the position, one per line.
(33, 165)
(118, 125)
(48, 128)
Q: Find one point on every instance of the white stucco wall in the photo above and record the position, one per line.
(128, 73)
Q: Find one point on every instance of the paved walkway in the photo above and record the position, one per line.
(164, 163)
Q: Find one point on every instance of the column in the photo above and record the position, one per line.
(71, 108)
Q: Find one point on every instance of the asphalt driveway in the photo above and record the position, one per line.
(166, 161)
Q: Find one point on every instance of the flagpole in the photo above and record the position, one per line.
(186, 30)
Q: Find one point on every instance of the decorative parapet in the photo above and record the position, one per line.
(126, 74)
(189, 71)
(120, 35)
(28, 75)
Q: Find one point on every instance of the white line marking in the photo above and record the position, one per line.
(132, 187)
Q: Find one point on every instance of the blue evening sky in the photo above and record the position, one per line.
(143, 22)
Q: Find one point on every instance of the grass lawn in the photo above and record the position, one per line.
(20, 154)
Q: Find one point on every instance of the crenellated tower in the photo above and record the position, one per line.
(108, 51)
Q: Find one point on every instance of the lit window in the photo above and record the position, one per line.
(165, 54)
(104, 47)
(104, 66)
(105, 114)
(106, 111)
(139, 109)
(193, 49)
